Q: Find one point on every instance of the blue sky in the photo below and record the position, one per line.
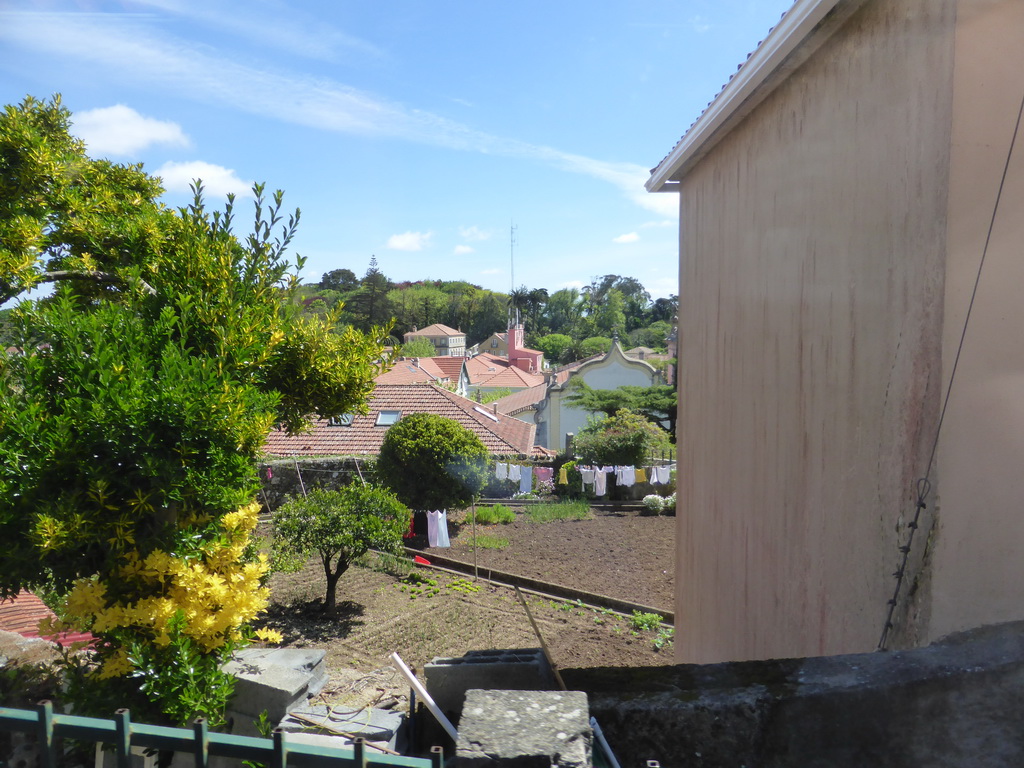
(415, 130)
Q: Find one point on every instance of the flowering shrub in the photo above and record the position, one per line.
(653, 503)
(128, 440)
(171, 618)
(545, 488)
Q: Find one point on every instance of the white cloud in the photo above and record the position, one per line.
(296, 32)
(409, 241)
(493, 271)
(121, 131)
(474, 234)
(699, 24)
(629, 237)
(217, 180)
(461, 250)
(143, 55)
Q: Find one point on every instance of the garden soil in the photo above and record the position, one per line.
(422, 613)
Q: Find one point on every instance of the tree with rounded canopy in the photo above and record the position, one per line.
(626, 438)
(431, 462)
(131, 421)
(337, 527)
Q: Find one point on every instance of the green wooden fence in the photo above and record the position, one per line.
(123, 734)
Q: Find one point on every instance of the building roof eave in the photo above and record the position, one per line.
(802, 29)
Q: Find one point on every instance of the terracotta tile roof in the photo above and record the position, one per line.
(414, 370)
(451, 366)
(437, 329)
(501, 434)
(488, 370)
(522, 400)
(22, 614)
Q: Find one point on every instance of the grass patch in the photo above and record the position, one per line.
(498, 513)
(559, 510)
(486, 541)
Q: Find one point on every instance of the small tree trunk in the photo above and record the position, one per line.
(332, 576)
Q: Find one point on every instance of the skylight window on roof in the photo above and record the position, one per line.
(485, 412)
(345, 420)
(387, 418)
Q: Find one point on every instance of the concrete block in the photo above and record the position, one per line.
(377, 726)
(518, 669)
(524, 729)
(272, 680)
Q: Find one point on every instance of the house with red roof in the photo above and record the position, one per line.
(363, 434)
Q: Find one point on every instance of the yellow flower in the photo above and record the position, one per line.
(116, 666)
(269, 635)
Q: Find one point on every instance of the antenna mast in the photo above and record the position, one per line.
(512, 264)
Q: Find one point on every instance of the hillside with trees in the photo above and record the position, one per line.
(568, 324)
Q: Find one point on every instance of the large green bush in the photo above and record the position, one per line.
(431, 462)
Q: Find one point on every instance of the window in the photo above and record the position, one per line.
(387, 418)
(345, 420)
(494, 342)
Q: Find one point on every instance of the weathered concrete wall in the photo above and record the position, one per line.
(978, 572)
(952, 705)
(812, 259)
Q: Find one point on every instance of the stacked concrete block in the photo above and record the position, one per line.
(524, 729)
(520, 669)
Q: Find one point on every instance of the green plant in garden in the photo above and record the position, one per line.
(338, 527)
(431, 462)
(664, 637)
(128, 443)
(486, 541)
(546, 512)
(498, 513)
(643, 622)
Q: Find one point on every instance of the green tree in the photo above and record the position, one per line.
(611, 316)
(431, 462)
(658, 404)
(418, 346)
(369, 304)
(626, 438)
(595, 345)
(563, 311)
(337, 527)
(128, 445)
(341, 280)
(553, 345)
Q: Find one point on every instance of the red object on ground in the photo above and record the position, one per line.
(420, 560)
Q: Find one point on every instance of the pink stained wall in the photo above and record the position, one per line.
(812, 251)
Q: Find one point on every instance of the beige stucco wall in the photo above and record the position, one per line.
(978, 563)
(812, 244)
(610, 372)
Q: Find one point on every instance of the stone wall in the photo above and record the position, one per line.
(956, 703)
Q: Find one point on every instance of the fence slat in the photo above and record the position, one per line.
(123, 745)
(51, 728)
(46, 736)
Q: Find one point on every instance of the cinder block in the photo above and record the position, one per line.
(517, 669)
(524, 729)
(272, 680)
